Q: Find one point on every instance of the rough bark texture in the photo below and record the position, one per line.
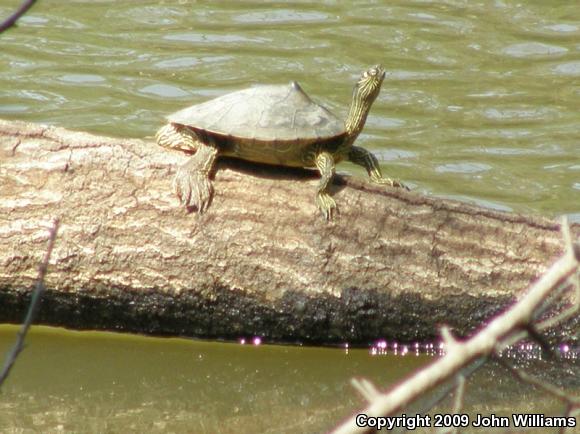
(261, 261)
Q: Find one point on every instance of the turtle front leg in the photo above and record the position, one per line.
(191, 183)
(366, 159)
(326, 204)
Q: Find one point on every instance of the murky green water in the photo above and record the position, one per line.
(480, 103)
(81, 382)
(104, 382)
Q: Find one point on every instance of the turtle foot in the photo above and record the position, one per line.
(389, 181)
(193, 188)
(326, 205)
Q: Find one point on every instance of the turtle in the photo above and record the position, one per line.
(272, 124)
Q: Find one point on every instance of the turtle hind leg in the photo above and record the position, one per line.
(366, 159)
(191, 183)
(177, 137)
(326, 204)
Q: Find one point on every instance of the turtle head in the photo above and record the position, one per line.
(369, 84)
(365, 92)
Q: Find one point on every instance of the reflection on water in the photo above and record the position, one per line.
(105, 382)
(479, 102)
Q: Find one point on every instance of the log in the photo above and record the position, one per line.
(260, 262)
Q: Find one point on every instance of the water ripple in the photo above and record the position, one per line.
(480, 100)
(282, 16)
(567, 69)
(208, 38)
(533, 49)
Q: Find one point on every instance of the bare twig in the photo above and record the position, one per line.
(524, 377)
(458, 402)
(365, 388)
(32, 309)
(11, 20)
(459, 392)
(498, 333)
(570, 412)
(445, 390)
(569, 312)
(567, 235)
(448, 338)
(571, 249)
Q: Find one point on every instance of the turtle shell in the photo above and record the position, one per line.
(266, 113)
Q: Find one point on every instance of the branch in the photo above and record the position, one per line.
(458, 404)
(445, 390)
(11, 20)
(572, 249)
(32, 309)
(566, 313)
(484, 343)
(367, 389)
(550, 389)
(459, 393)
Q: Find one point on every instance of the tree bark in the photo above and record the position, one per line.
(261, 261)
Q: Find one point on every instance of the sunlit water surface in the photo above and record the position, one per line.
(480, 101)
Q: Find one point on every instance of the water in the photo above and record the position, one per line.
(480, 103)
(84, 382)
(105, 382)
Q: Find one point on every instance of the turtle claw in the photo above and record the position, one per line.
(193, 188)
(389, 181)
(326, 205)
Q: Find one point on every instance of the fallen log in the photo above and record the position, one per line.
(261, 261)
